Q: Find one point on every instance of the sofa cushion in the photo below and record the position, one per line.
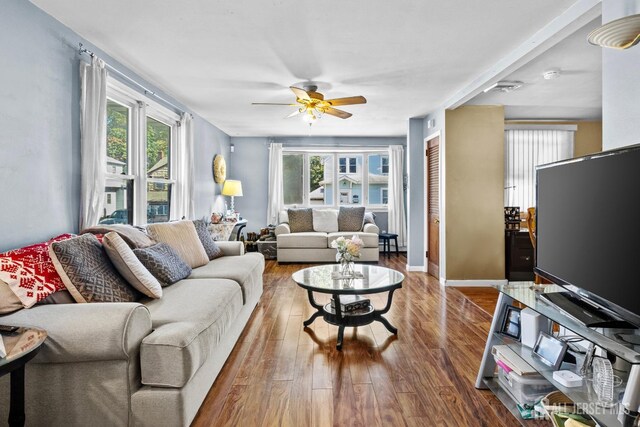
(9, 302)
(164, 263)
(210, 246)
(325, 220)
(350, 219)
(130, 266)
(302, 240)
(246, 270)
(183, 238)
(300, 220)
(370, 240)
(188, 321)
(135, 237)
(87, 272)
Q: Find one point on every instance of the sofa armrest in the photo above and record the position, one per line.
(86, 332)
(231, 248)
(371, 228)
(282, 229)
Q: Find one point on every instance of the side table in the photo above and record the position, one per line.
(386, 242)
(21, 346)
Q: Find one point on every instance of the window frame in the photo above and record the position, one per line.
(337, 154)
(141, 107)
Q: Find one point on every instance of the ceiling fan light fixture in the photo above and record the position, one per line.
(504, 86)
(619, 34)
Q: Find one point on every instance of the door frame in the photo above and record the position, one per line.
(442, 257)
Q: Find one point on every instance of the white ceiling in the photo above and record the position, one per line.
(575, 95)
(406, 57)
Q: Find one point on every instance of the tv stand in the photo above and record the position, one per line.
(582, 311)
(528, 294)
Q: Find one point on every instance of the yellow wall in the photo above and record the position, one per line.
(474, 181)
(588, 138)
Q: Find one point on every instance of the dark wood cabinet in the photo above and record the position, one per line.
(519, 255)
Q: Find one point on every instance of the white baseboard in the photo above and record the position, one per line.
(419, 268)
(472, 283)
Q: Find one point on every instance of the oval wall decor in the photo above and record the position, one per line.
(219, 169)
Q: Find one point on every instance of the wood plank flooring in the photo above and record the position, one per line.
(281, 374)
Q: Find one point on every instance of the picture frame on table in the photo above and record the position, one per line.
(511, 324)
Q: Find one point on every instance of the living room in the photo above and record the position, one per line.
(131, 126)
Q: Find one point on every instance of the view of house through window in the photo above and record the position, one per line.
(128, 189)
(309, 179)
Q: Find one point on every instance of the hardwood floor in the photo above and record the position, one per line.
(484, 297)
(281, 374)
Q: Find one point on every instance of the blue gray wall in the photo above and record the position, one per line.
(250, 164)
(39, 128)
(620, 84)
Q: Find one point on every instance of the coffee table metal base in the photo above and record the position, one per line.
(335, 317)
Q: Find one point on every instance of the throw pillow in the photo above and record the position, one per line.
(183, 238)
(164, 263)
(210, 247)
(369, 218)
(60, 297)
(350, 219)
(88, 273)
(283, 217)
(29, 272)
(325, 220)
(127, 264)
(300, 220)
(9, 302)
(134, 237)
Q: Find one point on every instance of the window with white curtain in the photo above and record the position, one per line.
(142, 141)
(525, 147)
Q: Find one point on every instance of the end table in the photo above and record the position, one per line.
(21, 346)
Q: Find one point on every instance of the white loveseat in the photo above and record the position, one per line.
(315, 246)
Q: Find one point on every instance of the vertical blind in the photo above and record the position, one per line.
(524, 149)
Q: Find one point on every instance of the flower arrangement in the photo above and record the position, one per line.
(348, 252)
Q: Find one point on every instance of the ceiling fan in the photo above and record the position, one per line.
(312, 104)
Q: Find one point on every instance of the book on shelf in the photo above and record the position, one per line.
(351, 303)
(504, 355)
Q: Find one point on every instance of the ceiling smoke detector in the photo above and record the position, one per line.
(504, 86)
(551, 74)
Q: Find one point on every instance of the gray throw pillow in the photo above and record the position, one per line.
(134, 237)
(300, 220)
(210, 247)
(350, 219)
(164, 263)
(369, 218)
(87, 271)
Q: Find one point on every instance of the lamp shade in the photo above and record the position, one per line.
(232, 187)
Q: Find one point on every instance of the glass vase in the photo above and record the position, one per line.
(346, 267)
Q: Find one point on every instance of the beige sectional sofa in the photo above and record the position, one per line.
(139, 364)
(315, 246)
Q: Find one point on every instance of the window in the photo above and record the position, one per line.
(333, 178)
(525, 148)
(384, 195)
(384, 165)
(141, 142)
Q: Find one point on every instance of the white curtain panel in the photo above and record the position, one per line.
(276, 197)
(93, 140)
(397, 223)
(185, 201)
(524, 149)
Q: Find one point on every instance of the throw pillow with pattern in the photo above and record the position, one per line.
(164, 263)
(350, 219)
(29, 272)
(300, 220)
(210, 247)
(87, 271)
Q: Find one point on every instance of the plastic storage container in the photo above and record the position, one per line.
(525, 389)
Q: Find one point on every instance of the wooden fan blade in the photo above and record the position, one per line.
(337, 113)
(300, 93)
(350, 100)
(295, 113)
(272, 103)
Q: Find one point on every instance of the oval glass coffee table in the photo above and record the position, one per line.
(371, 279)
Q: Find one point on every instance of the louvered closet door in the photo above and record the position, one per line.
(433, 206)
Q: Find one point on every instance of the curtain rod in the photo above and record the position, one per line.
(147, 91)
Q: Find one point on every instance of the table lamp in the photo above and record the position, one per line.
(233, 188)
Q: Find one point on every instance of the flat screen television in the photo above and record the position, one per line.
(588, 228)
